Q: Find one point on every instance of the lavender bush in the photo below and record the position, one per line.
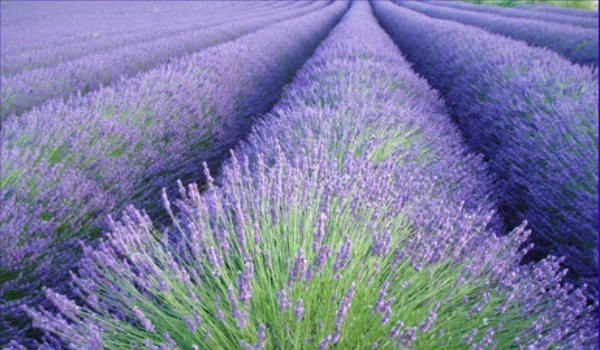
(339, 224)
(559, 10)
(28, 89)
(584, 22)
(17, 62)
(579, 45)
(66, 166)
(532, 114)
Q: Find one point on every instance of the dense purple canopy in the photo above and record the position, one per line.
(67, 165)
(580, 45)
(534, 116)
(357, 165)
(72, 73)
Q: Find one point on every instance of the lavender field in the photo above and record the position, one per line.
(298, 175)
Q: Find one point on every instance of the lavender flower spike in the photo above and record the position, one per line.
(298, 310)
(342, 257)
(146, 323)
(342, 310)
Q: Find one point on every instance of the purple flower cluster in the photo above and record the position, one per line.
(532, 114)
(66, 165)
(23, 91)
(298, 270)
(363, 140)
(581, 21)
(342, 310)
(579, 45)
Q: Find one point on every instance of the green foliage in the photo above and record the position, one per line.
(415, 291)
(579, 4)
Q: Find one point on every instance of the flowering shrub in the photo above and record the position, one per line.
(352, 218)
(66, 166)
(550, 17)
(28, 89)
(579, 45)
(532, 114)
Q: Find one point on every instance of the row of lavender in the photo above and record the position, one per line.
(550, 17)
(579, 45)
(60, 23)
(66, 166)
(532, 114)
(28, 89)
(14, 62)
(352, 218)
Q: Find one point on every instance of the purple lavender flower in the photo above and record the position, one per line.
(319, 234)
(396, 330)
(261, 337)
(322, 257)
(381, 244)
(335, 337)
(342, 257)
(324, 344)
(485, 341)
(149, 345)
(197, 318)
(298, 271)
(144, 321)
(268, 263)
(342, 310)
(245, 345)
(219, 313)
(245, 282)
(426, 325)
(298, 310)
(282, 300)
(468, 338)
(407, 337)
(380, 303)
(66, 306)
(189, 323)
(237, 314)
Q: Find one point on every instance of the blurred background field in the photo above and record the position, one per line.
(591, 5)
